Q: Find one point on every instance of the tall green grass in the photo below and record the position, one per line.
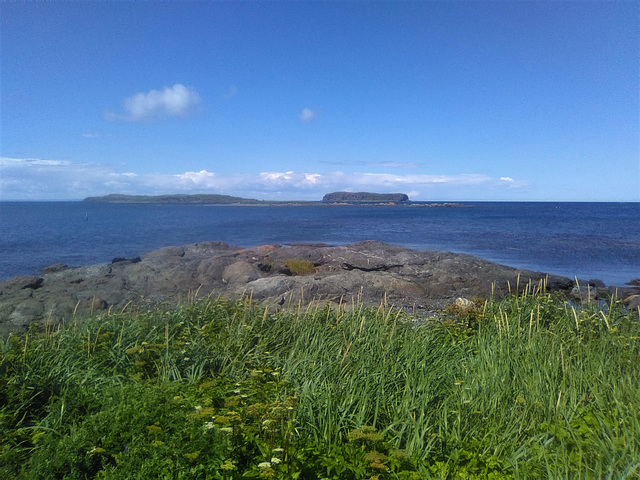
(525, 387)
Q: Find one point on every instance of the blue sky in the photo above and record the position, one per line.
(445, 101)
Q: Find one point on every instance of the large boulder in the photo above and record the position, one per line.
(370, 272)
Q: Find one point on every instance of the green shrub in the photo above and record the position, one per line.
(299, 267)
(220, 389)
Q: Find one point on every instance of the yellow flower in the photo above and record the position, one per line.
(154, 429)
(228, 466)
(191, 457)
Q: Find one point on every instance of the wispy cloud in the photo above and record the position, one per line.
(51, 179)
(307, 115)
(7, 162)
(176, 101)
(381, 164)
(96, 135)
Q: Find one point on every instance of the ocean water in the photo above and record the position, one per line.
(587, 240)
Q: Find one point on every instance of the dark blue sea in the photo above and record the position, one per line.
(587, 240)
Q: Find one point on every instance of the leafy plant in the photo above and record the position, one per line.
(528, 386)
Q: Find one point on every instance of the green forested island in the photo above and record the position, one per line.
(198, 198)
(335, 197)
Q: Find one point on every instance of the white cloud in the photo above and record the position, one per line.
(7, 162)
(307, 115)
(382, 164)
(176, 101)
(50, 179)
(201, 178)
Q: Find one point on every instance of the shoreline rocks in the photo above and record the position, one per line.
(370, 272)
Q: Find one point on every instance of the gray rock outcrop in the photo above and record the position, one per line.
(417, 281)
(365, 197)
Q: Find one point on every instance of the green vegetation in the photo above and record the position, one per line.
(526, 387)
(198, 198)
(299, 267)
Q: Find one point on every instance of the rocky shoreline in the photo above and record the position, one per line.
(370, 272)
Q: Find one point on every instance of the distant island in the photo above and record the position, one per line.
(350, 197)
(329, 198)
(198, 198)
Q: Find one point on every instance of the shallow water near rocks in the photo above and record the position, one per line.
(587, 240)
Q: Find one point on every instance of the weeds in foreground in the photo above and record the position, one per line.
(526, 387)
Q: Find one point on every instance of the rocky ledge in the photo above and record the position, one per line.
(417, 281)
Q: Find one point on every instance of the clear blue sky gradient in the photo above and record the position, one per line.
(514, 101)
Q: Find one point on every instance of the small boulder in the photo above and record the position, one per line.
(25, 312)
(94, 304)
(584, 294)
(240, 272)
(56, 267)
(463, 304)
(632, 302)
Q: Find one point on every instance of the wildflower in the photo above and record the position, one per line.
(198, 408)
(228, 466)
(267, 473)
(209, 425)
(134, 350)
(400, 455)
(263, 465)
(275, 460)
(268, 423)
(375, 457)
(191, 457)
(226, 429)
(278, 450)
(154, 429)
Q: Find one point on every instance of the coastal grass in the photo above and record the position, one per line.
(529, 386)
